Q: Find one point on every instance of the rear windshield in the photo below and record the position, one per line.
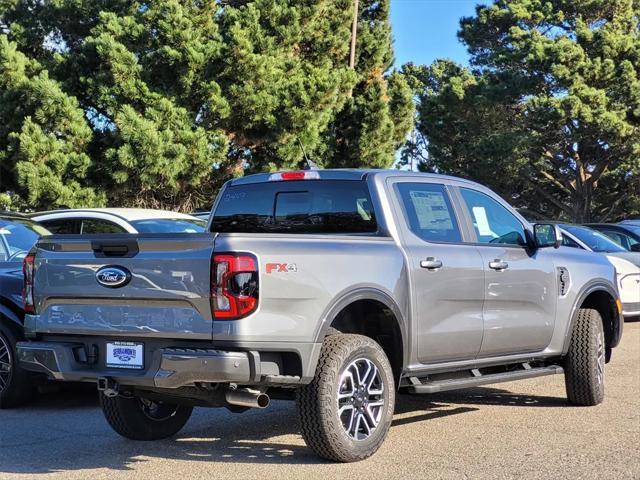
(596, 241)
(302, 206)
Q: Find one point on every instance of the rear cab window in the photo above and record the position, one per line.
(428, 211)
(298, 206)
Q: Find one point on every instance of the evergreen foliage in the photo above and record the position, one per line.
(157, 103)
(548, 113)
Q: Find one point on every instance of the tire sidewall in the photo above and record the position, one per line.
(363, 448)
(581, 364)
(126, 416)
(598, 333)
(7, 390)
(19, 387)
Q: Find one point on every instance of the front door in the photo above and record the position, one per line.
(447, 276)
(520, 282)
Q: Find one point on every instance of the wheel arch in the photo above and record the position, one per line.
(10, 317)
(373, 313)
(602, 297)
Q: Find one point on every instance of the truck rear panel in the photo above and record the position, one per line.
(167, 293)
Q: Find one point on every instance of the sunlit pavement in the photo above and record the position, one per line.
(515, 430)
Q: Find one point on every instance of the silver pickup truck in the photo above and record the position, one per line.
(335, 288)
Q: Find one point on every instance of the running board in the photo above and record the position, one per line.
(476, 377)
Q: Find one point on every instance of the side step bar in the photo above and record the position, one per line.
(475, 377)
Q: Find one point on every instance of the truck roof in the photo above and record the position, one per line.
(351, 174)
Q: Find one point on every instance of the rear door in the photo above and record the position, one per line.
(447, 277)
(166, 292)
(520, 283)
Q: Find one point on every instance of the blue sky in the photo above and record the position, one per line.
(426, 29)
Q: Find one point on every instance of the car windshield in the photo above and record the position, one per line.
(17, 236)
(596, 241)
(170, 225)
(634, 228)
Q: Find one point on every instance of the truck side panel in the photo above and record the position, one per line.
(301, 275)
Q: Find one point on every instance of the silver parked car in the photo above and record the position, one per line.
(331, 288)
(118, 220)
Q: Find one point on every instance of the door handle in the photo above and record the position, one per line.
(498, 265)
(431, 263)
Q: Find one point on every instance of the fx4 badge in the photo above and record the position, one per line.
(281, 267)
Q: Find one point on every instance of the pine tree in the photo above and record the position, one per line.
(549, 113)
(177, 96)
(43, 136)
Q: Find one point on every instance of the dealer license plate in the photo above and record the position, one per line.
(125, 355)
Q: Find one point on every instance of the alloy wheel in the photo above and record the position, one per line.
(360, 398)
(6, 363)
(600, 358)
(158, 411)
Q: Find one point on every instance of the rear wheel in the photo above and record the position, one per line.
(585, 360)
(138, 418)
(346, 411)
(15, 383)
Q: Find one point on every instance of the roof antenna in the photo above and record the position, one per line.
(308, 164)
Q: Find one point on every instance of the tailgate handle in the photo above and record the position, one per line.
(115, 248)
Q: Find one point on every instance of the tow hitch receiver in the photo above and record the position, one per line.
(108, 387)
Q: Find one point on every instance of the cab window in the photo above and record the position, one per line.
(428, 211)
(492, 222)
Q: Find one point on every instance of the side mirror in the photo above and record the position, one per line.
(547, 235)
(635, 247)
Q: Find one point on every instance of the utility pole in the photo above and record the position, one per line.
(354, 34)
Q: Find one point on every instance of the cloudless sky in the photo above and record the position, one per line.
(425, 30)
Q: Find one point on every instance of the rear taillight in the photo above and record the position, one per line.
(27, 285)
(234, 285)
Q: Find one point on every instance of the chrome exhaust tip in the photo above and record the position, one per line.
(245, 397)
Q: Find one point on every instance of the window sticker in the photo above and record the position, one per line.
(431, 210)
(482, 222)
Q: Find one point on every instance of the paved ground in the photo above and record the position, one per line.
(518, 430)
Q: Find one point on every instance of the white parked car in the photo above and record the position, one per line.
(627, 263)
(118, 220)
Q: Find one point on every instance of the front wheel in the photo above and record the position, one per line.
(346, 411)
(138, 418)
(585, 360)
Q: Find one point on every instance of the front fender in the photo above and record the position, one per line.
(617, 322)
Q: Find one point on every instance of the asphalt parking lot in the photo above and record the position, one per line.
(518, 430)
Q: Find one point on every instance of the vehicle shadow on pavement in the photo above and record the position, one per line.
(66, 431)
(497, 396)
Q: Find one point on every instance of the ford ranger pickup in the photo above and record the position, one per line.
(333, 288)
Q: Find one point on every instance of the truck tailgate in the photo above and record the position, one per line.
(153, 285)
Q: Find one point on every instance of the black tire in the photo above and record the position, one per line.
(16, 387)
(585, 360)
(139, 419)
(323, 429)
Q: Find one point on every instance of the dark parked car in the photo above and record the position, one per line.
(626, 234)
(17, 235)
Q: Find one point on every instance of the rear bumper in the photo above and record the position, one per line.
(166, 368)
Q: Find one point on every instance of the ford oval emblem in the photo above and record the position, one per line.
(113, 276)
